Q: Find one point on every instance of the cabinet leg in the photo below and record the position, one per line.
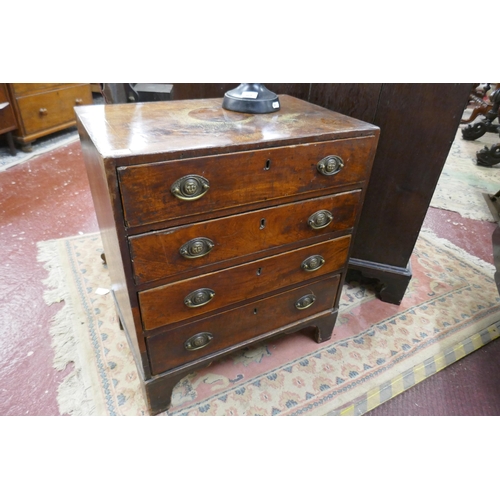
(159, 391)
(393, 288)
(390, 282)
(27, 148)
(324, 327)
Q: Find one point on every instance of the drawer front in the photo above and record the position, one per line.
(32, 88)
(51, 109)
(237, 179)
(189, 298)
(168, 253)
(179, 346)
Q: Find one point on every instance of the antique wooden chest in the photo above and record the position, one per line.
(221, 229)
(45, 108)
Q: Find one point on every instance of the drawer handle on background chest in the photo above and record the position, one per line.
(305, 301)
(312, 263)
(199, 297)
(330, 165)
(320, 219)
(197, 247)
(198, 341)
(43, 111)
(190, 187)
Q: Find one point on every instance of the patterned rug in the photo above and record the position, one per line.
(377, 350)
(462, 182)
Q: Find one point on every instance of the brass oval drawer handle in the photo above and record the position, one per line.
(198, 341)
(330, 165)
(312, 263)
(199, 297)
(320, 219)
(197, 247)
(305, 301)
(190, 187)
(43, 111)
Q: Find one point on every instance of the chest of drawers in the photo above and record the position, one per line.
(45, 108)
(222, 229)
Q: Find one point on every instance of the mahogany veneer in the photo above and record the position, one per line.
(222, 229)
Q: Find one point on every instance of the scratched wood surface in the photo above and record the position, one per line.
(187, 128)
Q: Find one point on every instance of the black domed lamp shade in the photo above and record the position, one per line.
(251, 98)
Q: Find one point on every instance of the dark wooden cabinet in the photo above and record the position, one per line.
(222, 229)
(418, 124)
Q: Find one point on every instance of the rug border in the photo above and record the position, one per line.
(418, 373)
(76, 395)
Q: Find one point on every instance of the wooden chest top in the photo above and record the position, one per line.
(132, 133)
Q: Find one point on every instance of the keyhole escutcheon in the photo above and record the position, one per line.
(262, 223)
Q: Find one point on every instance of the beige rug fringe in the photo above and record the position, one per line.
(471, 259)
(74, 393)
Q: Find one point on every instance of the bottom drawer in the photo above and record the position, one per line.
(198, 339)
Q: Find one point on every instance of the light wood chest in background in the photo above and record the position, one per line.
(222, 229)
(45, 108)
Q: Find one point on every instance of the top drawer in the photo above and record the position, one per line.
(181, 188)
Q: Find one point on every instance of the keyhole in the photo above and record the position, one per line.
(259, 271)
(255, 311)
(262, 223)
(268, 165)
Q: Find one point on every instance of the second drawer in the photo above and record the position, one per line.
(189, 298)
(159, 255)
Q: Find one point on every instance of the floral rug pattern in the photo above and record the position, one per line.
(450, 297)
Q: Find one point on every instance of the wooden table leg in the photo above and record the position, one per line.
(12, 147)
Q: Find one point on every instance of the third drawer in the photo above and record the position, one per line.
(189, 298)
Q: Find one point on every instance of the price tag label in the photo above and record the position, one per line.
(249, 95)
